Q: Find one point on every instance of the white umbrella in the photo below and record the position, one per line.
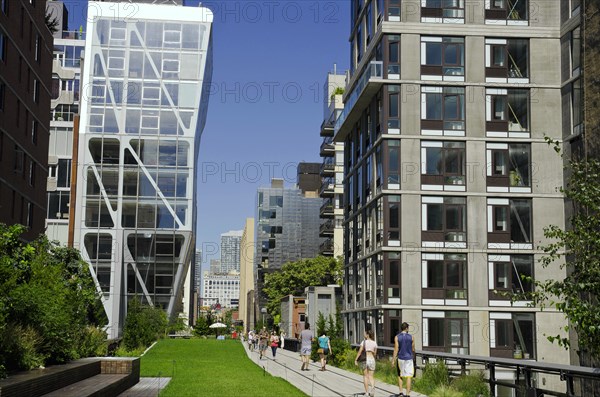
(218, 325)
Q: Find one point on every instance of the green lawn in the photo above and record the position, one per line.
(207, 367)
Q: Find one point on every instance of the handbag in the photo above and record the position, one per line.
(363, 356)
(320, 351)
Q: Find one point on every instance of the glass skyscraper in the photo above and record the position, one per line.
(230, 251)
(143, 110)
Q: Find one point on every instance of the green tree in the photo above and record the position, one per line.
(577, 248)
(50, 310)
(294, 277)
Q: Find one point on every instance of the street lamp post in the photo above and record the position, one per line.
(263, 311)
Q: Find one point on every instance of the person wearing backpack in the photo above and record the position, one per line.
(404, 349)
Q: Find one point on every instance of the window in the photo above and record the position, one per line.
(509, 223)
(443, 163)
(36, 91)
(58, 205)
(444, 220)
(510, 274)
(3, 44)
(444, 277)
(63, 173)
(393, 211)
(393, 54)
(507, 60)
(577, 103)
(443, 109)
(509, 167)
(4, 6)
(443, 58)
(447, 11)
(29, 215)
(2, 90)
(393, 10)
(575, 7)
(575, 51)
(393, 111)
(512, 335)
(507, 113)
(392, 166)
(19, 164)
(393, 273)
(34, 131)
(38, 48)
(446, 331)
(31, 172)
(507, 12)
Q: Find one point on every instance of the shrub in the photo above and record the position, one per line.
(472, 385)
(143, 325)
(434, 375)
(94, 343)
(445, 391)
(22, 347)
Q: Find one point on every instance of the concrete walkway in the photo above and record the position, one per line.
(315, 383)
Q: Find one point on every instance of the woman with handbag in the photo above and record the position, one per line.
(366, 357)
(324, 350)
(274, 343)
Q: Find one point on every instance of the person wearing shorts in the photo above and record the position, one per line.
(324, 350)
(306, 339)
(368, 366)
(404, 349)
(263, 340)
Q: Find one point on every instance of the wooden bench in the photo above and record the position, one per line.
(97, 376)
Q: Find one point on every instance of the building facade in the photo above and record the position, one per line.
(286, 230)
(448, 179)
(25, 80)
(247, 246)
(332, 171)
(230, 251)
(221, 290)
(64, 110)
(143, 110)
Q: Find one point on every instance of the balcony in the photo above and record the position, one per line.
(327, 187)
(73, 35)
(327, 169)
(326, 228)
(365, 88)
(326, 210)
(326, 247)
(327, 147)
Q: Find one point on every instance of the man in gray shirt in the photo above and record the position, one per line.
(306, 339)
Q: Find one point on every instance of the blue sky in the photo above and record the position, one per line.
(271, 59)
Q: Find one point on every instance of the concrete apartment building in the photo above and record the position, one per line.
(332, 171)
(220, 290)
(64, 109)
(139, 136)
(25, 80)
(448, 181)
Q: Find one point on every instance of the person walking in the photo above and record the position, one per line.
(324, 350)
(263, 340)
(274, 343)
(306, 339)
(369, 346)
(251, 340)
(404, 349)
(282, 340)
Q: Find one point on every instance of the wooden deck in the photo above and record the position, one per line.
(146, 387)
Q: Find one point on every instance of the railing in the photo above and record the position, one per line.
(524, 370)
(373, 69)
(73, 34)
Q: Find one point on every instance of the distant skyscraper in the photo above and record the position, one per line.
(247, 246)
(221, 289)
(230, 251)
(287, 229)
(142, 115)
(215, 266)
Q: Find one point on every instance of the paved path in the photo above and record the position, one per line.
(146, 387)
(333, 382)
